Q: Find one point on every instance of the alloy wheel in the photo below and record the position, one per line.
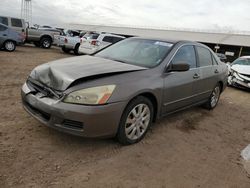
(137, 121)
(9, 46)
(215, 96)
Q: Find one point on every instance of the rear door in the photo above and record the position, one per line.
(206, 81)
(179, 86)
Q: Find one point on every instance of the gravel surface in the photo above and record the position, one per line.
(193, 148)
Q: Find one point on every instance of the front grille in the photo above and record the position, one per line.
(73, 124)
(44, 115)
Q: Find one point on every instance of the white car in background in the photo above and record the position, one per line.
(239, 72)
(70, 42)
(91, 43)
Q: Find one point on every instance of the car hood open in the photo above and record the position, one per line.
(60, 74)
(242, 69)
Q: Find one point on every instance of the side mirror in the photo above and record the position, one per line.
(178, 67)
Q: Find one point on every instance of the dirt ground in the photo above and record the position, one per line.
(193, 148)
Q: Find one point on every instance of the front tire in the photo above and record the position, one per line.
(214, 98)
(10, 46)
(136, 120)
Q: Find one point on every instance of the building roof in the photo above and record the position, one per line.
(205, 37)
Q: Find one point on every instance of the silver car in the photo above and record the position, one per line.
(121, 90)
(9, 38)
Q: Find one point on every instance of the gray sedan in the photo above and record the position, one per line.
(121, 90)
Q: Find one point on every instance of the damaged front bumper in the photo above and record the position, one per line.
(239, 80)
(81, 120)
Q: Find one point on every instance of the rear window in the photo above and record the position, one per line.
(117, 39)
(205, 57)
(108, 39)
(16, 22)
(112, 39)
(4, 20)
(94, 36)
(215, 62)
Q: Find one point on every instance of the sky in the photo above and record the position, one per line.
(228, 15)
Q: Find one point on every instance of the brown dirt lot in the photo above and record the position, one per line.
(193, 148)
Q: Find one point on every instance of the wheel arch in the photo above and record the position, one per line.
(78, 43)
(221, 86)
(9, 40)
(46, 36)
(152, 97)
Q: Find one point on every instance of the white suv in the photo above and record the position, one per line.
(91, 43)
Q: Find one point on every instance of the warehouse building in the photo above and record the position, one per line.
(233, 45)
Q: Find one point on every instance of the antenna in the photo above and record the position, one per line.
(26, 11)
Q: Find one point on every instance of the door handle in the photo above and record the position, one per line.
(4, 35)
(216, 71)
(196, 76)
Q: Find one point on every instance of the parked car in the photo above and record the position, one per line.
(9, 38)
(239, 72)
(122, 89)
(70, 42)
(222, 57)
(95, 42)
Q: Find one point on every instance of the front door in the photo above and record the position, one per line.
(179, 86)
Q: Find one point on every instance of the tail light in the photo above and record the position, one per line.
(94, 43)
(66, 40)
(80, 41)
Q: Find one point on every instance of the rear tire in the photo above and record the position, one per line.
(10, 46)
(76, 50)
(46, 42)
(214, 98)
(136, 120)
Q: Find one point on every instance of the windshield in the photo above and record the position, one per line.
(141, 52)
(241, 62)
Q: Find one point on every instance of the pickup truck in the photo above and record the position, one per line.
(70, 41)
(41, 37)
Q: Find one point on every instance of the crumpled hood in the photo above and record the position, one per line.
(242, 69)
(60, 74)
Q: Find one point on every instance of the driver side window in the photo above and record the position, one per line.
(185, 54)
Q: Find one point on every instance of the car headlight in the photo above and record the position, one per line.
(94, 95)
